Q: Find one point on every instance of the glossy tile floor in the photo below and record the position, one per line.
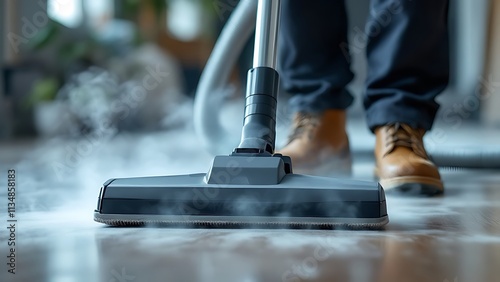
(453, 238)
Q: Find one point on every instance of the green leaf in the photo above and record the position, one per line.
(74, 50)
(45, 36)
(43, 90)
(159, 6)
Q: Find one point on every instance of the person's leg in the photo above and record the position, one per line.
(313, 67)
(408, 67)
(408, 61)
(315, 71)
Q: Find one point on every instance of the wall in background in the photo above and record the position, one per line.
(469, 28)
(491, 90)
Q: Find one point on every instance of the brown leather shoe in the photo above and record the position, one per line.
(319, 145)
(402, 162)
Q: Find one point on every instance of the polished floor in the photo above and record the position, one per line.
(454, 238)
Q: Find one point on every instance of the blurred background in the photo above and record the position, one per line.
(68, 64)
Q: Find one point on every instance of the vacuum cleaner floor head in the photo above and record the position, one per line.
(188, 200)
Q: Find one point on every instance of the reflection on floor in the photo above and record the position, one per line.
(453, 238)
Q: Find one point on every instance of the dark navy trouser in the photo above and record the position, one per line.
(406, 46)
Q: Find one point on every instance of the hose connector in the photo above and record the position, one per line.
(259, 125)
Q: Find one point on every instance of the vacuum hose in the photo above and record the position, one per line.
(466, 157)
(215, 76)
(229, 46)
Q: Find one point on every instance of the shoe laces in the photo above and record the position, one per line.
(303, 123)
(403, 135)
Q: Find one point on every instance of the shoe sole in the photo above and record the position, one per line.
(413, 185)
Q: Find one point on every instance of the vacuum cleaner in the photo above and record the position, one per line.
(253, 186)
